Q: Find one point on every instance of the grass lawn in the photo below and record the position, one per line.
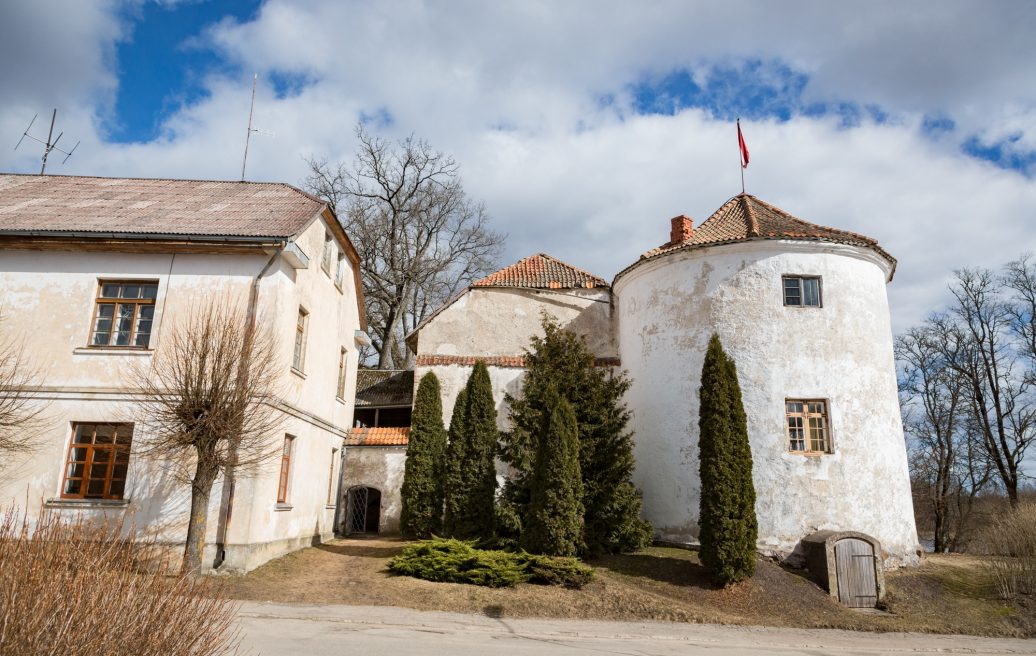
(948, 594)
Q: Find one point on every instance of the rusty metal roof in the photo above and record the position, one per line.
(62, 204)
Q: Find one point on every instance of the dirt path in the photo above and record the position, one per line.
(658, 584)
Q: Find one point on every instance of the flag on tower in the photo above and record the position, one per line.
(741, 144)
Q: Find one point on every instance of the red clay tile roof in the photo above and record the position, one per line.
(746, 218)
(60, 203)
(381, 436)
(511, 361)
(541, 271)
(384, 388)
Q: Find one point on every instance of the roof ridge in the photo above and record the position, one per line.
(753, 220)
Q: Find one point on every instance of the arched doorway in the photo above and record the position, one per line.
(362, 510)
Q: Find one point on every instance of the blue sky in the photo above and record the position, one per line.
(162, 62)
(582, 125)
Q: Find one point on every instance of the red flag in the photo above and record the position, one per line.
(741, 143)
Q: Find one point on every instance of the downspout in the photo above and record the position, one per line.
(227, 498)
(338, 494)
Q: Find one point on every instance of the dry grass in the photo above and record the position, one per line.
(949, 594)
(1010, 541)
(71, 588)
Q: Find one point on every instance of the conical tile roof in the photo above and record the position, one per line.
(746, 218)
(541, 271)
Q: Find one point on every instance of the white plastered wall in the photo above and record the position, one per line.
(47, 299)
(667, 310)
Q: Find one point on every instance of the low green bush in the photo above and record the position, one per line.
(457, 561)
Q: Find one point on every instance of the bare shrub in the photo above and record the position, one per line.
(1010, 541)
(20, 414)
(69, 587)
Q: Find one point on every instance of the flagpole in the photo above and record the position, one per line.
(740, 157)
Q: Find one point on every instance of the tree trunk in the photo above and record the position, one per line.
(201, 488)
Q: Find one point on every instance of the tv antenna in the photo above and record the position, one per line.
(248, 137)
(48, 145)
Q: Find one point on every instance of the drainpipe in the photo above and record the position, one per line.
(338, 492)
(227, 498)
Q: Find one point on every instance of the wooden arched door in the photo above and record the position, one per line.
(857, 576)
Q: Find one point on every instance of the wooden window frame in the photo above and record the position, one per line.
(298, 356)
(283, 480)
(343, 369)
(808, 439)
(329, 247)
(802, 296)
(118, 456)
(118, 302)
(331, 496)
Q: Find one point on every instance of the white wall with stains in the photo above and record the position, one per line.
(667, 310)
(47, 299)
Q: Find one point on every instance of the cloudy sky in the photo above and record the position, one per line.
(583, 126)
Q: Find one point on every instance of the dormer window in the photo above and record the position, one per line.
(802, 291)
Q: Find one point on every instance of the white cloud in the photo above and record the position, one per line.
(512, 91)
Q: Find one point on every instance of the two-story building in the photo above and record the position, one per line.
(94, 273)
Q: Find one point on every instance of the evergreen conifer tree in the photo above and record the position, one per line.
(727, 520)
(474, 483)
(422, 491)
(555, 515)
(455, 453)
(611, 503)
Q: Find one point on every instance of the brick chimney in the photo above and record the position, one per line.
(682, 230)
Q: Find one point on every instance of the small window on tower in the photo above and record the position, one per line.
(807, 426)
(802, 291)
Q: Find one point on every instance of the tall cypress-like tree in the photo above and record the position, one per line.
(611, 503)
(453, 498)
(727, 520)
(555, 515)
(474, 482)
(423, 478)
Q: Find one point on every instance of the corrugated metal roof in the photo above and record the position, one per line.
(58, 203)
(384, 388)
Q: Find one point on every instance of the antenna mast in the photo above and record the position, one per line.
(248, 136)
(48, 145)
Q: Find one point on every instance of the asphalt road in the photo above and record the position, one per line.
(290, 630)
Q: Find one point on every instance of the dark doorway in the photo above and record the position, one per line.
(362, 510)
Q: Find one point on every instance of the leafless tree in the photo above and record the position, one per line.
(207, 403)
(20, 413)
(981, 345)
(947, 469)
(420, 238)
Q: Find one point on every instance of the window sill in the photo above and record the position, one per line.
(330, 507)
(299, 373)
(814, 454)
(282, 507)
(100, 350)
(86, 503)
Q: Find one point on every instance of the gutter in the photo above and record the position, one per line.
(143, 236)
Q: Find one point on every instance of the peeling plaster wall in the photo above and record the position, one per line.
(666, 312)
(379, 467)
(495, 321)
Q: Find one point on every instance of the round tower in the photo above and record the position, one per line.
(803, 311)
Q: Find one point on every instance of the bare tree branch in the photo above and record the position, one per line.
(208, 403)
(420, 238)
(21, 416)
